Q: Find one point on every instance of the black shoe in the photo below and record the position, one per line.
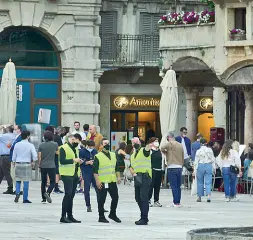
(9, 191)
(17, 198)
(209, 200)
(27, 201)
(142, 222)
(21, 192)
(103, 220)
(65, 220)
(114, 218)
(47, 196)
(44, 201)
(89, 209)
(73, 220)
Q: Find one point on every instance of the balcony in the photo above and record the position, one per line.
(129, 50)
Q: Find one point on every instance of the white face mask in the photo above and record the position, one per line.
(156, 144)
(89, 149)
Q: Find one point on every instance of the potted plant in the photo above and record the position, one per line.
(237, 34)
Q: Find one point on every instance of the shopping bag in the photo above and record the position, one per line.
(194, 187)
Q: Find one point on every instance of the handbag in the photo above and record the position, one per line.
(234, 169)
(188, 166)
(194, 187)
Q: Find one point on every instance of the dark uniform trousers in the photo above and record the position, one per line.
(102, 193)
(70, 184)
(142, 194)
(5, 170)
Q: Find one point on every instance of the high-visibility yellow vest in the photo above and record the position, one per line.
(106, 171)
(140, 163)
(68, 169)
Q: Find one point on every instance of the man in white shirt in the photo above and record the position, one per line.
(24, 155)
(77, 130)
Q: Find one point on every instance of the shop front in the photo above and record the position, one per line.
(132, 116)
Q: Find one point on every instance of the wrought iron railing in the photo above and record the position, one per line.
(129, 50)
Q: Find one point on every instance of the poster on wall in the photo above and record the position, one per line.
(116, 139)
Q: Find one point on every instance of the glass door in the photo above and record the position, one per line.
(131, 120)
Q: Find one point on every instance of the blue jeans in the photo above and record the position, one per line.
(174, 178)
(229, 182)
(25, 189)
(88, 178)
(204, 178)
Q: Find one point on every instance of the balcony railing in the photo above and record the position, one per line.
(129, 50)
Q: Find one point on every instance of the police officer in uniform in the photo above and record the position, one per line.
(69, 168)
(106, 173)
(142, 172)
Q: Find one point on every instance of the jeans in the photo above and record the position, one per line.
(174, 177)
(155, 185)
(113, 191)
(51, 173)
(25, 189)
(70, 183)
(229, 182)
(204, 177)
(88, 179)
(142, 195)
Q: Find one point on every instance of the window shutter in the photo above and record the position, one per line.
(107, 32)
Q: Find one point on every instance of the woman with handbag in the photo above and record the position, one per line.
(230, 163)
(204, 166)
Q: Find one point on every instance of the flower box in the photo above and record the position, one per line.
(237, 37)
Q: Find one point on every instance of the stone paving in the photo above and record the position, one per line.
(41, 221)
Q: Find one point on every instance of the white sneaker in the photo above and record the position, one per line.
(227, 200)
(157, 204)
(150, 204)
(178, 206)
(235, 199)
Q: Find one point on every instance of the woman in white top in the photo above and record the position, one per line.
(204, 166)
(229, 157)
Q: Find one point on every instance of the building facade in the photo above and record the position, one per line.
(222, 57)
(55, 47)
(131, 61)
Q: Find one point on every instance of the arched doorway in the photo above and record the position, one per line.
(38, 71)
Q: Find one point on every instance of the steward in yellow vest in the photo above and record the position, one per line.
(106, 173)
(69, 168)
(142, 172)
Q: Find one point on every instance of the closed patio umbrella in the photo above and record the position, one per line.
(8, 94)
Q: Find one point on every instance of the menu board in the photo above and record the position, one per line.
(116, 139)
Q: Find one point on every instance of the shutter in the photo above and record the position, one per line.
(107, 32)
(155, 40)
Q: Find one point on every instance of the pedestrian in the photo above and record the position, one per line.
(46, 157)
(69, 168)
(196, 146)
(77, 130)
(6, 140)
(120, 155)
(106, 173)
(87, 155)
(24, 157)
(96, 137)
(142, 172)
(175, 160)
(86, 129)
(204, 167)
(230, 164)
(157, 173)
(236, 147)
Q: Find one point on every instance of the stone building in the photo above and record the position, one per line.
(220, 59)
(130, 59)
(55, 47)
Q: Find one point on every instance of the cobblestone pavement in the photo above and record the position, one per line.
(41, 221)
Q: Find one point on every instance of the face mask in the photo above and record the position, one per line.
(136, 146)
(107, 147)
(184, 135)
(156, 144)
(75, 145)
(90, 149)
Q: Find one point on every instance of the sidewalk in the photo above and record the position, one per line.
(41, 221)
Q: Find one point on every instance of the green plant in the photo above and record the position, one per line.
(210, 4)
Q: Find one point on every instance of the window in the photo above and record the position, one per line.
(240, 18)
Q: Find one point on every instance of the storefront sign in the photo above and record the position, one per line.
(206, 104)
(135, 102)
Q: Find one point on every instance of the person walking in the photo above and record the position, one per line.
(24, 156)
(196, 146)
(230, 164)
(157, 173)
(204, 167)
(6, 140)
(46, 157)
(87, 155)
(69, 169)
(175, 160)
(142, 172)
(106, 173)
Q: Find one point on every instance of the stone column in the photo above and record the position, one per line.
(191, 95)
(248, 120)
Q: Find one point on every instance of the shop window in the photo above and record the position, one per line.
(26, 47)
